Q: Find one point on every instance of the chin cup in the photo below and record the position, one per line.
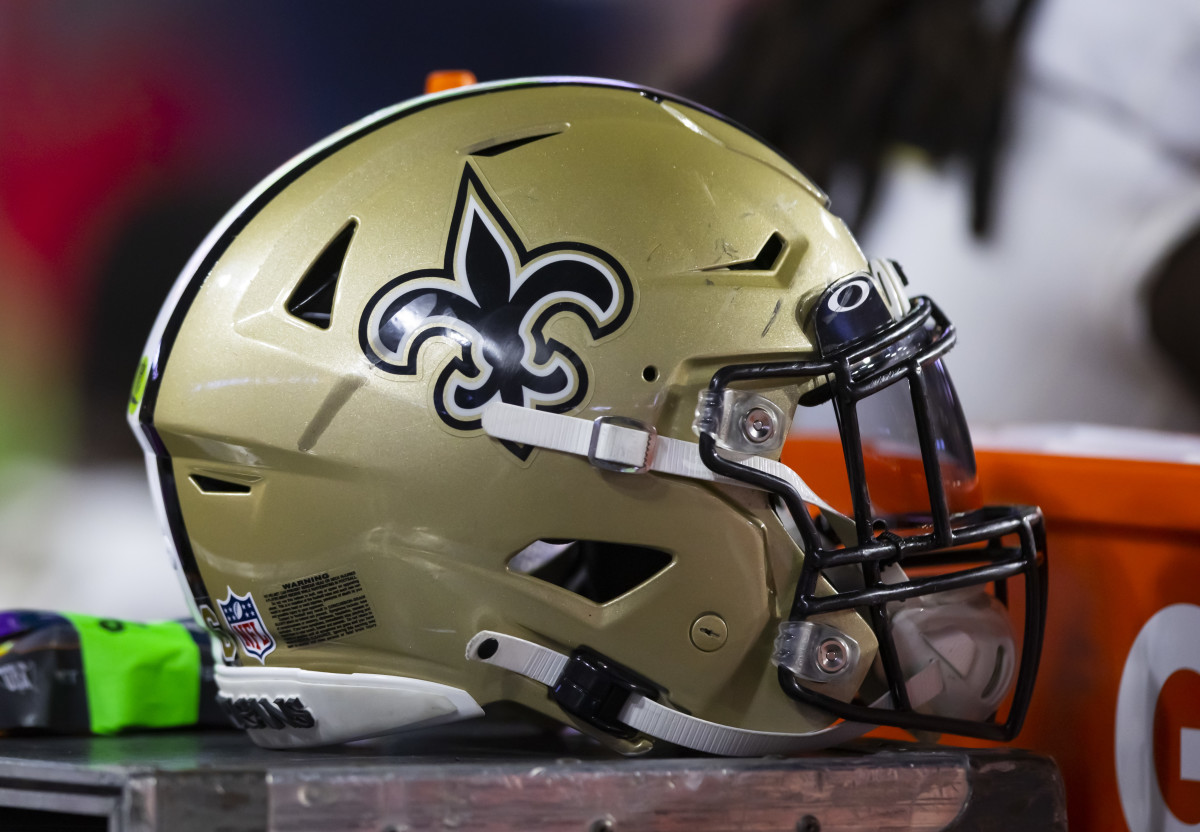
(957, 651)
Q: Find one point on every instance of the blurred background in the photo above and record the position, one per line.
(1033, 164)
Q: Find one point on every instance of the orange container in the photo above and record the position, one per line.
(448, 79)
(1117, 701)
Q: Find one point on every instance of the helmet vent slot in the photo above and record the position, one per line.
(312, 299)
(494, 147)
(766, 258)
(765, 261)
(594, 569)
(212, 485)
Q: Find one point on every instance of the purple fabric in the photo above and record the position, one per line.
(15, 622)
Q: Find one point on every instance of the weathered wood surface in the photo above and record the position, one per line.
(218, 781)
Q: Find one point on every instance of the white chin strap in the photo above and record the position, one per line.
(655, 719)
(627, 446)
(624, 445)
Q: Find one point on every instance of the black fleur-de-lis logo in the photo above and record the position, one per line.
(493, 298)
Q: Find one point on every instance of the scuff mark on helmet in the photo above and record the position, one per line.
(335, 400)
(774, 315)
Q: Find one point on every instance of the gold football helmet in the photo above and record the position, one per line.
(482, 399)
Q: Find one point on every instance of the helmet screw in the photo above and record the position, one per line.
(709, 632)
(759, 425)
(831, 655)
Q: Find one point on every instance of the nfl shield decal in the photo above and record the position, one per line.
(241, 614)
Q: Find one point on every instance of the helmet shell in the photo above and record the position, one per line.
(340, 465)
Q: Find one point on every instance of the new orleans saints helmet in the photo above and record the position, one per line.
(482, 399)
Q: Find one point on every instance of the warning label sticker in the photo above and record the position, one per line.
(319, 608)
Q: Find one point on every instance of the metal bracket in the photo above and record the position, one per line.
(616, 465)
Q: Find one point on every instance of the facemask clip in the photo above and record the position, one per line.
(741, 421)
(814, 652)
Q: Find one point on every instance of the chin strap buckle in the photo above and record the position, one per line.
(619, 443)
(595, 689)
(614, 698)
